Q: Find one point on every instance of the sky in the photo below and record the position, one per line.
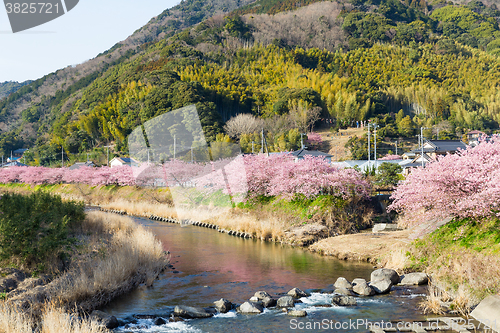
(90, 28)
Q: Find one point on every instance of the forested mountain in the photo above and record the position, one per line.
(406, 63)
(8, 87)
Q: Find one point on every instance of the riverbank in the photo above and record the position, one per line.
(101, 257)
(301, 222)
(452, 289)
(462, 257)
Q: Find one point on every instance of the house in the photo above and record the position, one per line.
(431, 150)
(474, 136)
(78, 165)
(299, 154)
(16, 155)
(13, 163)
(434, 148)
(121, 161)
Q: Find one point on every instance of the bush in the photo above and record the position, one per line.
(33, 228)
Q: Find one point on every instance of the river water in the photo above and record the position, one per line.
(209, 265)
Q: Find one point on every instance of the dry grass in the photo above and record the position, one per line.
(122, 255)
(12, 320)
(375, 248)
(434, 301)
(53, 320)
(115, 256)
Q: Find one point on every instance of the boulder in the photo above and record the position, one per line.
(285, 302)
(342, 283)
(344, 291)
(414, 279)
(268, 302)
(297, 293)
(261, 295)
(191, 312)
(223, 305)
(385, 273)
(254, 299)
(356, 281)
(297, 313)
(381, 286)
(105, 319)
(159, 321)
(250, 308)
(342, 300)
(363, 289)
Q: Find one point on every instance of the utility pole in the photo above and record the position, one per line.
(62, 156)
(253, 144)
(369, 153)
(175, 142)
(396, 147)
(375, 142)
(148, 156)
(192, 156)
(87, 157)
(302, 140)
(262, 141)
(422, 141)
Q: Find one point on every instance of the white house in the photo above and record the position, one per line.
(121, 161)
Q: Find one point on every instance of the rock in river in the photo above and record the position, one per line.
(381, 286)
(414, 279)
(250, 308)
(268, 302)
(191, 312)
(385, 273)
(261, 295)
(297, 313)
(285, 302)
(343, 283)
(363, 289)
(297, 293)
(223, 305)
(342, 300)
(107, 320)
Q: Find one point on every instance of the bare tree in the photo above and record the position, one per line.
(303, 116)
(243, 124)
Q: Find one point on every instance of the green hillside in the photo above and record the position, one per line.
(403, 64)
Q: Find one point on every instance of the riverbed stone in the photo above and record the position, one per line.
(343, 283)
(357, 281)
(363, 289)
(343, 291)
(159, 321)
(268, 302)
(381, 286)
(191, 312)
(297, 313)
(105, 319)
(385, 273)
(342, 300)
(250, 308)
(223, 305)
(414, 279)
(254, 299)
(285, 302)
(297, 293)
(261, 294)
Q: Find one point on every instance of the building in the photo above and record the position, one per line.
(16, 155)
(299, 154)
(121, 161)
(474, 136)
(78, 165)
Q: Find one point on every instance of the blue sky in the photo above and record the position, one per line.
(92, 27)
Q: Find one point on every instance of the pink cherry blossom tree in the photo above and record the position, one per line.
(466, 184)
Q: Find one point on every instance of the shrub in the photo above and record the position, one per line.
(35, 227)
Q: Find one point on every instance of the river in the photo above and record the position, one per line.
(209, 265)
